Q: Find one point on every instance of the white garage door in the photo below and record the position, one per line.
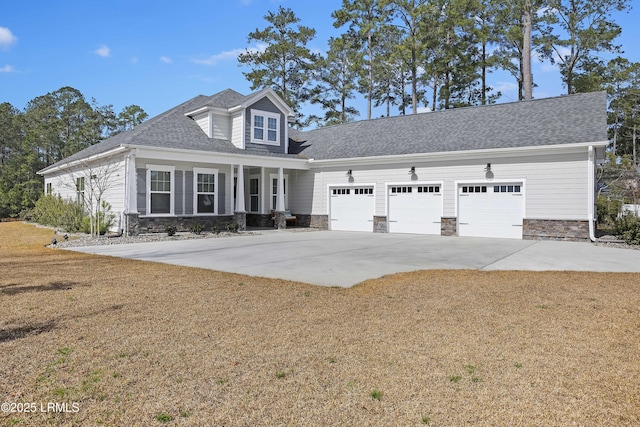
(494, 210)
(352, 208)
(415, 209)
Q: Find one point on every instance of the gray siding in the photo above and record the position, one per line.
(265, 104)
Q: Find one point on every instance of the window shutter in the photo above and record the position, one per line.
(220, 189)
(142, 191)
(179, 193)
(188, 192)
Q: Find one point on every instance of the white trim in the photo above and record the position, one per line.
(207, 171)
(161, 168)
(268, 93)
(266, 115)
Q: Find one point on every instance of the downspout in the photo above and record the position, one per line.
(591, 193)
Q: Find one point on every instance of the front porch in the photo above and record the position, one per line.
(207, 193)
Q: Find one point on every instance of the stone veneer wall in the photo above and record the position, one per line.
(259, 220)
(136, 224)
(379, 224)
(548, 229)
(320, 222)
(448, 226)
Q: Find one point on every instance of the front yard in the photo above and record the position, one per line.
(124, 342)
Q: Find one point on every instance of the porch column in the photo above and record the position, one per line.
(130, 223)
(240, 213)
(280, 195)
(280, 217)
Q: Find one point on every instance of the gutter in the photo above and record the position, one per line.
(591, 173)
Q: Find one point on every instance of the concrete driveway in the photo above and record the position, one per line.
(334, 258)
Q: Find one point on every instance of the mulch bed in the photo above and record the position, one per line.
(137, 343)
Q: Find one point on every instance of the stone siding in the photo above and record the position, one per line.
(449, 226)
(379, 224)
(320, 222)
(280, 219)
(547, 229)
(137, 224)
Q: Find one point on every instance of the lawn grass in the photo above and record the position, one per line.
(139, 343)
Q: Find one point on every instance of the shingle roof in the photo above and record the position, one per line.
(172, 129)
(561, 120)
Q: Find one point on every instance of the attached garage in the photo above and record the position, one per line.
(491, 210)
(351, 208)
(415, 208)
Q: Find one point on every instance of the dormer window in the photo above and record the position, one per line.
(265, 127)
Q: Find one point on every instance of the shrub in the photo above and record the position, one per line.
(607, 209)
(196, 228)
(170, 230)
(233, 227)
(628, 228)
(56, 212)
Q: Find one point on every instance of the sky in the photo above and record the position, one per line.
(160, 53)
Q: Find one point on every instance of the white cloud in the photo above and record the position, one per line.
(424, 110)
(6, 37)
(165, 60)
(8, 69)
(103, 51)
(229, 54)
(504, 87)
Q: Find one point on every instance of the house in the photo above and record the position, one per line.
(522, 170)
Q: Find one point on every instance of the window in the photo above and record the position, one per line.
(49, 189)
(506, 188)
(80, 190)
(160, 190)
(205, 190)
(475, 189)
(265, 127)
(254, 195)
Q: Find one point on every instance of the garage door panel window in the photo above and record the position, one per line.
(506, 189)
(474, 189)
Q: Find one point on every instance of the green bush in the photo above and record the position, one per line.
(56, 212)
(233, 227)
(607, 209)
(170, 230)
(196, 228)
(628, 228)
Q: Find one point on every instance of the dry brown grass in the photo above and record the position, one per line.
(130, 341)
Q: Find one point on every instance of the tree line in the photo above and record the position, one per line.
(50, 128)
(404, 54)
